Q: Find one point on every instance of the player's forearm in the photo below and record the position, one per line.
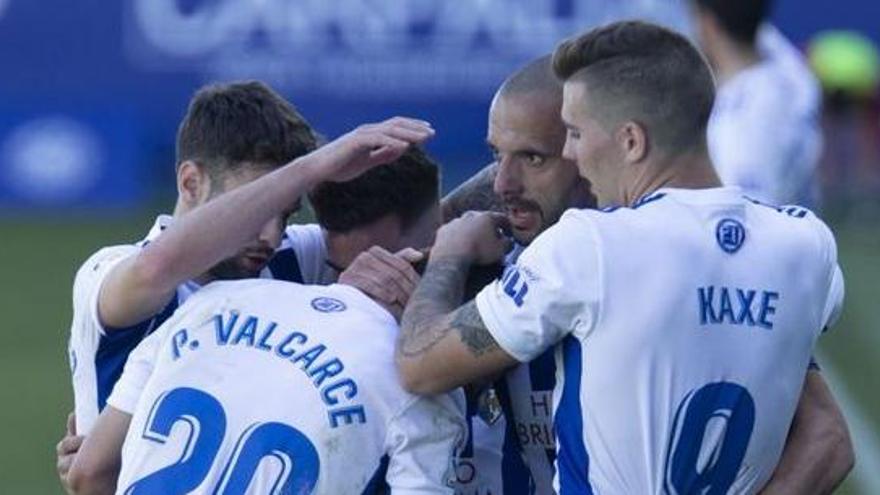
(91, 483)
(443, 346)
(96, 467)
(426, 322)
(92, 474)
(220, 227)
(475, 194)
(818, 453)
(198, 240)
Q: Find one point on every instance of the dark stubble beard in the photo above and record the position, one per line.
(230, 269)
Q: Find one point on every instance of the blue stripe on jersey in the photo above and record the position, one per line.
(377, 484)
(471, 409)
(515, 475)
(573, 462)
(542, 371)
(115, 346)
(285, 266)
(648, 199)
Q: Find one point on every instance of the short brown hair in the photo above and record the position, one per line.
(228, 125)
(646, 73)
(407, 188)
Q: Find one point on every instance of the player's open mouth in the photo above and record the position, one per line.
(524, 216)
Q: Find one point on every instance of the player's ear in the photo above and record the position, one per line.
(633, 141)
(193, 183)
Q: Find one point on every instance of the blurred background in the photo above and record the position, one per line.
(91, 93)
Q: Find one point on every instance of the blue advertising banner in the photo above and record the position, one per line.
(92, 91)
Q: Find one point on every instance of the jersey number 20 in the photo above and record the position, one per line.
(719, 416)
(207, 426)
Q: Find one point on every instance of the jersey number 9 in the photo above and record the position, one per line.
(721, 416)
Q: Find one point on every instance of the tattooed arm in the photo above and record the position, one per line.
(475, 194)
(550, 293)
(443, 345)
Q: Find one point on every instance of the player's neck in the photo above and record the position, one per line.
(690, 170)
(732, 58)
(181, 207)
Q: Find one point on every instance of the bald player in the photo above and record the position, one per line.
(534, 185)
(530, 181)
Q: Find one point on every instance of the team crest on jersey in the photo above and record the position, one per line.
(328, 305)
(730, 235)
(489, 406)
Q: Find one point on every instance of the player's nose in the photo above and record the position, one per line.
(568, 150)
(272, 232)
(508, 179)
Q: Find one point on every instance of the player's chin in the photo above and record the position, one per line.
(525, 236)
(249, 270)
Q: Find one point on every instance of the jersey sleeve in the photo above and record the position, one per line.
(88, 282)
(835, 294)
(422, 442)
(138, 369)
(142, 361)
(553, 289)
(834, 303)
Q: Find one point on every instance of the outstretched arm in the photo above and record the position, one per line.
(443, 345)
(142, 284)
(475, 194)
(818, 454)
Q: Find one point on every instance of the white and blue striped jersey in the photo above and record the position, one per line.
(684, 328)
(764, 133)
(489, 462)
(497, 457)
(526, 394)
(98, 356)
(263, 386)
(519, 452)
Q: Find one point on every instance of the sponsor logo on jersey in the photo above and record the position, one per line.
(328, 305)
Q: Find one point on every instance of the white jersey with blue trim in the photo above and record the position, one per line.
(492, 461)
(685, 326)
(478, 466)
(526, 394)
(526, 397)
(764, 133)
(97, 355)
(302, 257)
(263, 386)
